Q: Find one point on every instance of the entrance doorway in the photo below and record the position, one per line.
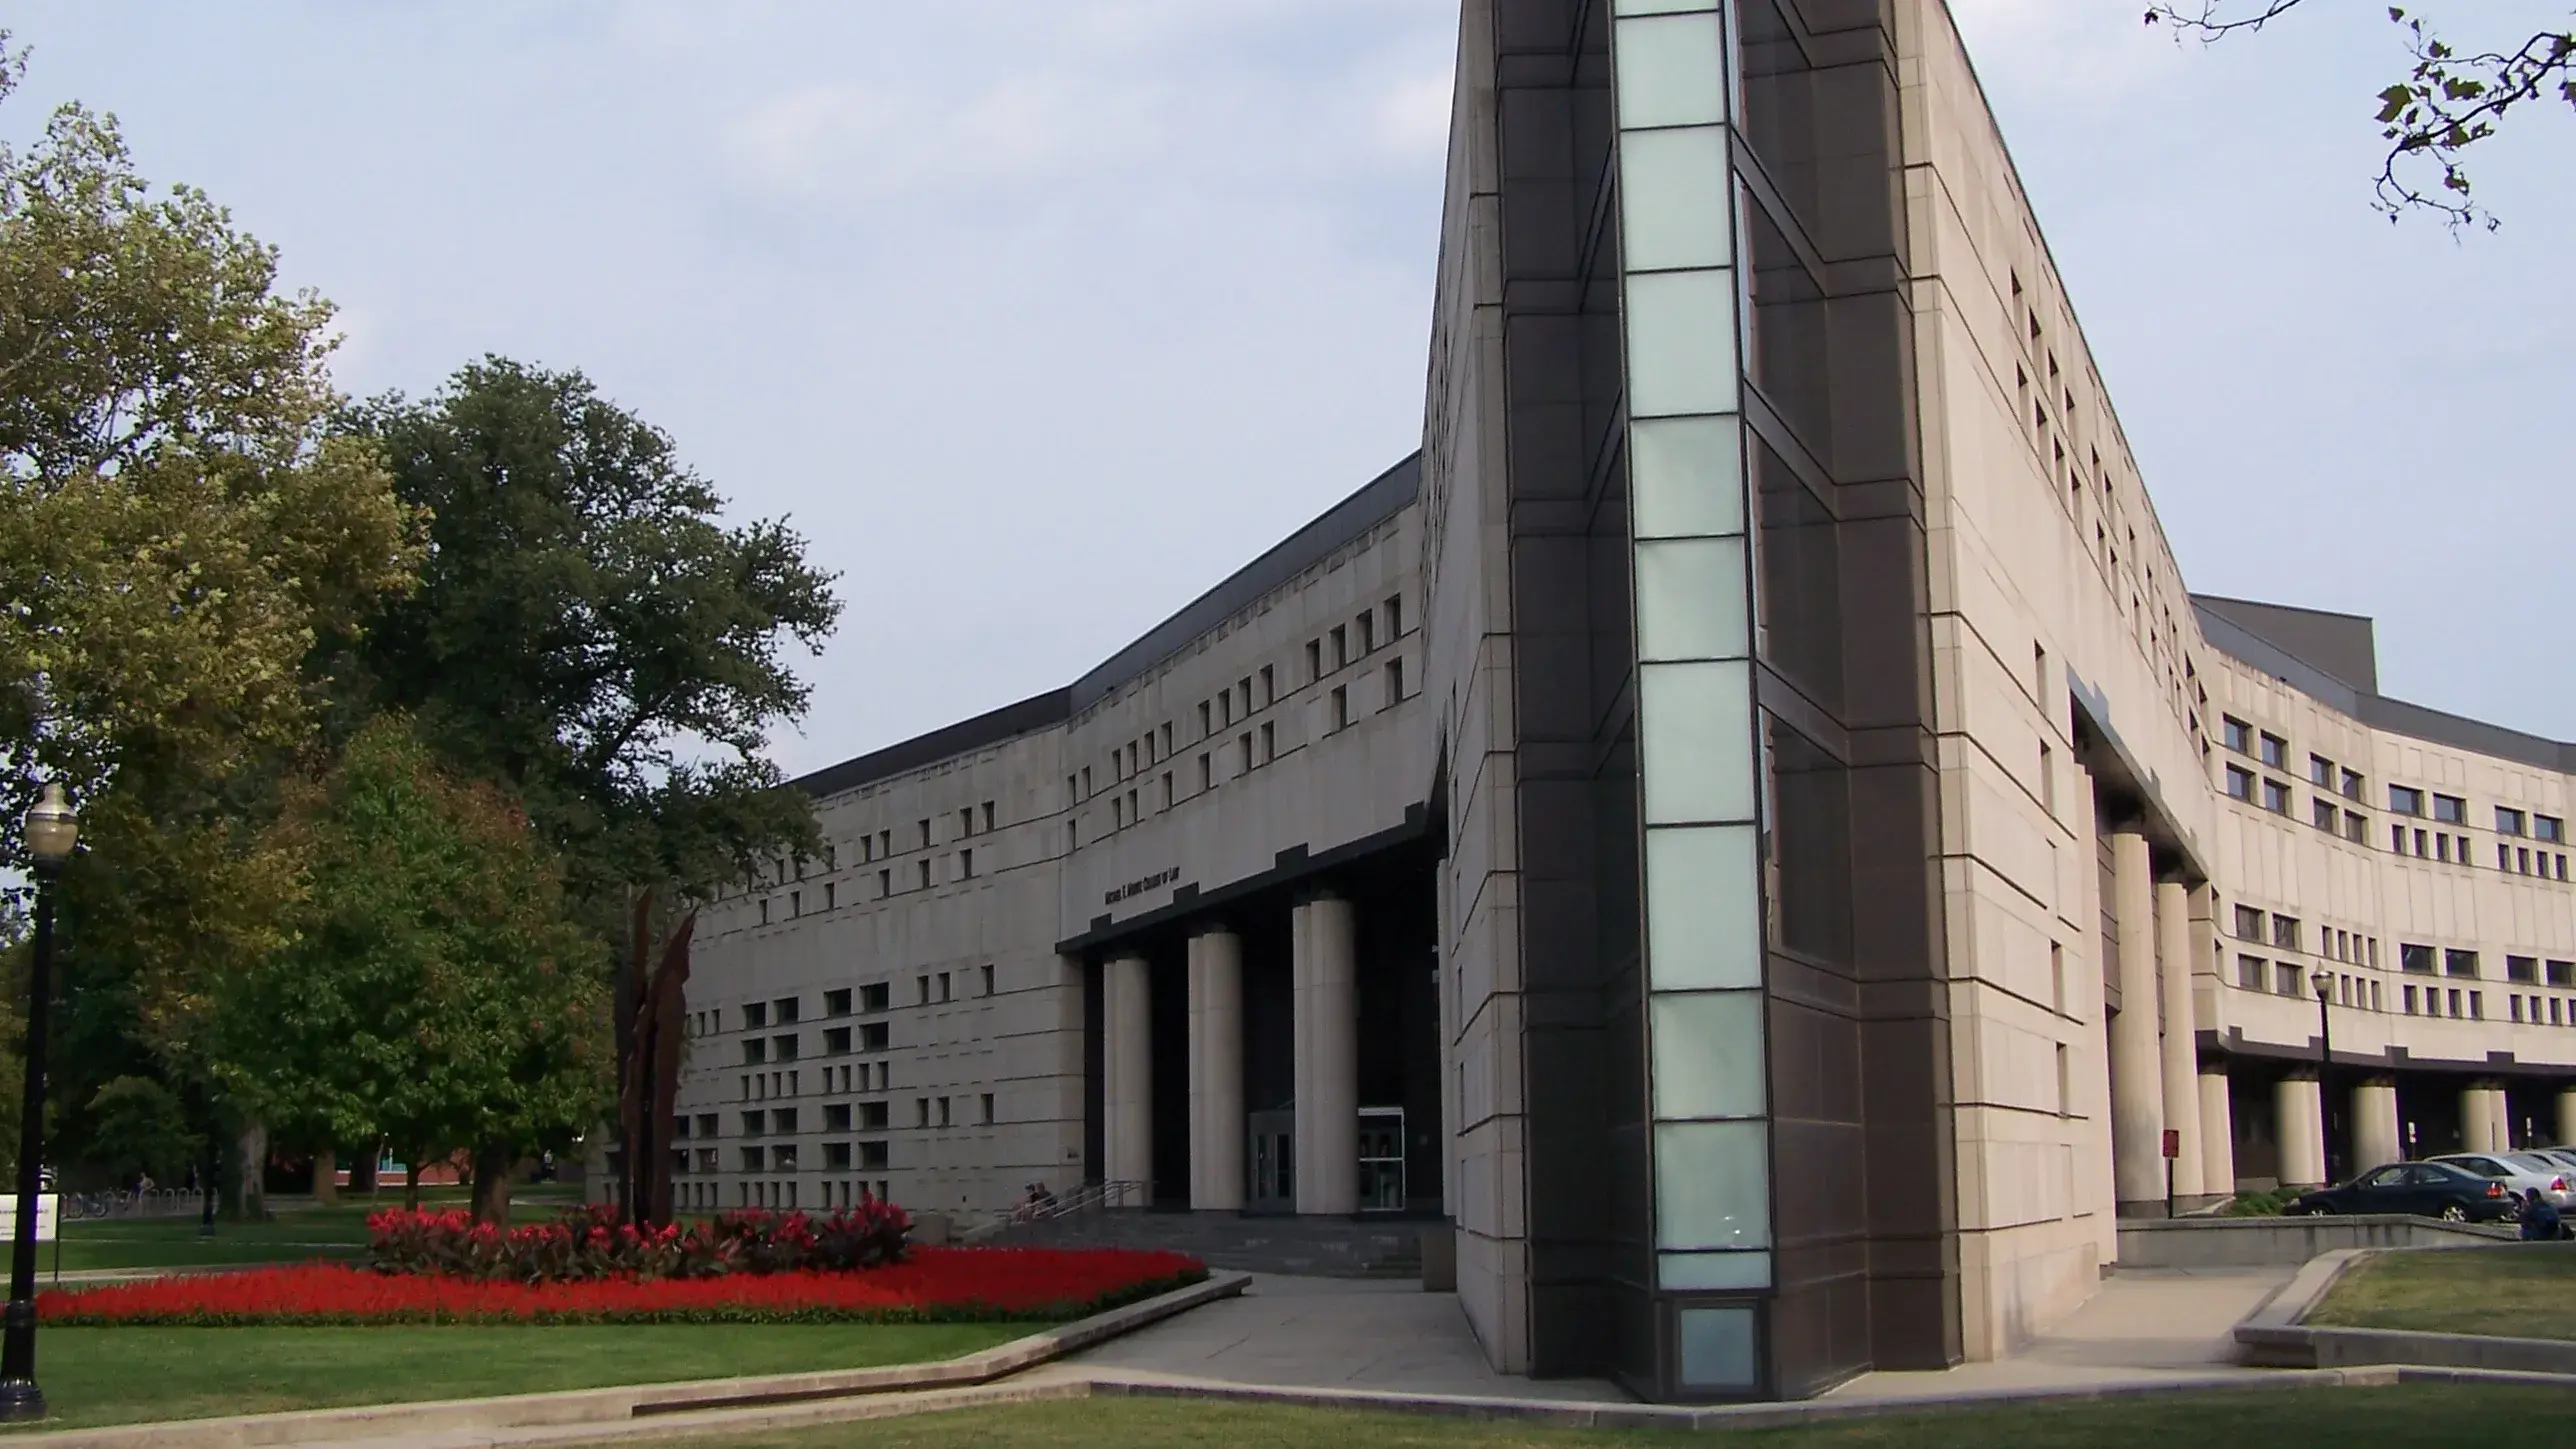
(1382, 1159)
(1270, 1162)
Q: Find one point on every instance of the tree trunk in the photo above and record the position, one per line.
(326, 1173)
(362, 1172)
(411, 1180)
(492, 1164)
(248, 1195)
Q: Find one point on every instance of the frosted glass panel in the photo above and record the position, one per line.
(1686, 476)
(1708, 1054)
(1681, 343)
(1712, 1185)
(1661, 7)
(1689, 1272)
(1672, 199)
(1702, 930)
(1670, 71)
(1697, 738)
(1691, 600)
(1717, 1348)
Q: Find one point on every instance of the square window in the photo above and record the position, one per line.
(2324, 814)
(2249, 923)
(837, 1003)
(2276, 797)
(2251, 972)
(2276, 750)
(2237, 735)
(2549, 828)
(2240, 783)
(2285, 932)
(1717, 1348)
(2459, 963)
(2356, 827)
(2321, 772)
(2450, 809)
(2508, 822)
(2405, 800)
(2414, 958)
(755, 1015)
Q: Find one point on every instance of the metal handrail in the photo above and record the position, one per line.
(1089, 1197)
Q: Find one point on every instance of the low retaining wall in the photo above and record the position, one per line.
(2276, 1335)
(2285, 1242)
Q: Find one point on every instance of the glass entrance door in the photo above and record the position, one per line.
(1269, 1162)
(1381, 1159)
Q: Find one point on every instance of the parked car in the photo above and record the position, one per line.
(2428, 1189)
(2520, 1172)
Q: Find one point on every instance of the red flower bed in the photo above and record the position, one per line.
(931, 1285)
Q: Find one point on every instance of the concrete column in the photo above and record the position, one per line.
(2482, 1117)
(2137, 1057)
(1327, 1044)
(1127, 1072)
(2374, 1125)
(1216, 1071)
(2567, 1114)
(2180, 1047)
(2303, 1152)
(2217, 1135)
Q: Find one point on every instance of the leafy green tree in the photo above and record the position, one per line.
(589, 630)
(180, 520)
(140, 1128)
(2448, 100)
(433, 992)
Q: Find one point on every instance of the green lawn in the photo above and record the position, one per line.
(319, 1232)
(2513, 1291)
(132, 1375)
(2398, 1418)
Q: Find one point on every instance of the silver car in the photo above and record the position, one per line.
(2521, 1173)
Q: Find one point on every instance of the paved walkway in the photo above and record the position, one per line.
(1333, 1333)
(1337, 1333)
(2142, 1327)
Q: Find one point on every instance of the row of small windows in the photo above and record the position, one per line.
(2285, 933)
(2353, 825)
(869, 1077)
(846, 1193)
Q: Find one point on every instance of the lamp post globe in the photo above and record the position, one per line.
(2322, 981)
(50, 831)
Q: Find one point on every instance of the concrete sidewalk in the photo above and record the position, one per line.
(1332, 1333)
(2142, 1327)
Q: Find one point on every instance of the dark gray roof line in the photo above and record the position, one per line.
(1380, 499)
(2278, 640)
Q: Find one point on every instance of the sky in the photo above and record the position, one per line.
(1038, 317)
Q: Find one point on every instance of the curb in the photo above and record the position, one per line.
(1578, 1414)
(2276, 1335)
(596, 1413)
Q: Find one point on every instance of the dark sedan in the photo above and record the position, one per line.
(2428, 1189)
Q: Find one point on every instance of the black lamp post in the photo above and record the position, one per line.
(50, 832)
(2324, 983)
